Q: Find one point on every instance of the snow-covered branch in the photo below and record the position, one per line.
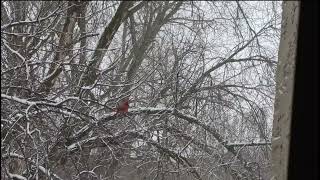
(41, 168)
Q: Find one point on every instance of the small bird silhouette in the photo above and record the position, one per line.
(122, 107)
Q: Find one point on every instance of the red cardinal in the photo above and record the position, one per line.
(122, 107)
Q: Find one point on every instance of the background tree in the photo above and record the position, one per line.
(199, 76)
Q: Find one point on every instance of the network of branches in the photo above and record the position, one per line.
(199, 77)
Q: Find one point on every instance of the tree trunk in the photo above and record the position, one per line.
(284, 90)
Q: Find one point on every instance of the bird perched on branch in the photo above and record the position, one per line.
(122, 107)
